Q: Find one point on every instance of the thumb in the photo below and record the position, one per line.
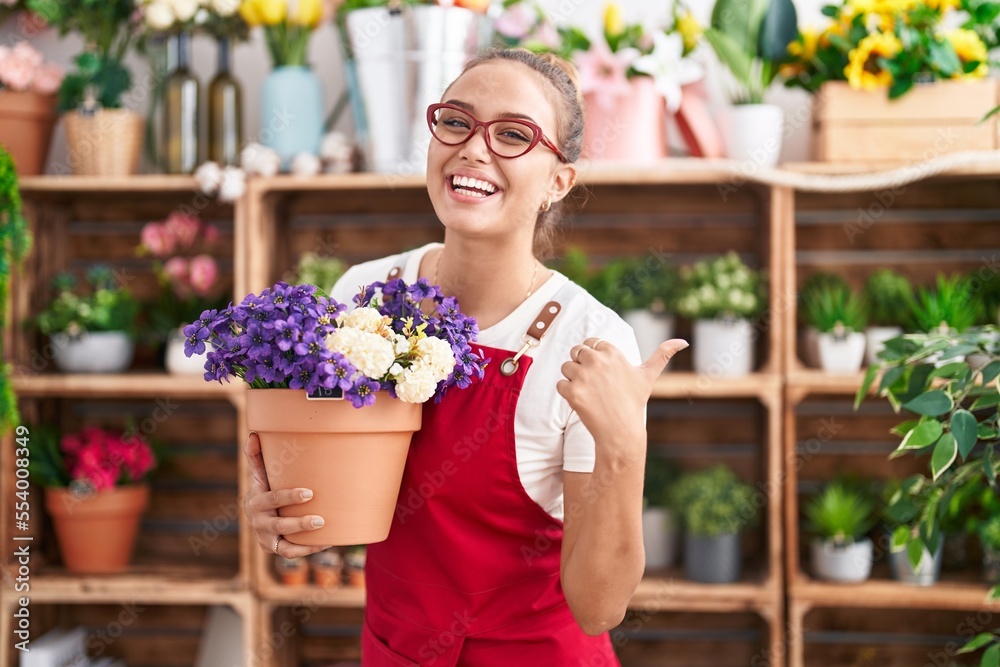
(663, 354)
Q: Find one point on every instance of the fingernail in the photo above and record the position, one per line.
(318, 522)
(252, 433)
(685, 345)
(306, 494)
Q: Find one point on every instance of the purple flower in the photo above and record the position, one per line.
(340, 370)
(363, 392)
(310, 345)
(287, 332)
(197, 333)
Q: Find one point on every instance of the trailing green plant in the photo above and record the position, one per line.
(15, 242)
(107, 34)
(104, 306)
(955, 422)
(890, 300)
(952, 305)
(834, 308)
(841, 513)
(750, 38)
(989, 534)
(714, 502)
(632, 284)
(661, 475)
(721, 288)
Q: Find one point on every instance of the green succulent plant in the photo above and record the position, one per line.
(721, 287)
(890, 299)
(834, 308)
(841, 513)
(105, 306)
(952, 305)
(320, 270)
(714, 502)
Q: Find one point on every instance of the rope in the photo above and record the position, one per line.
(875, 180)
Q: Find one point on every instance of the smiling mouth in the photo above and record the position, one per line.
(472, 187)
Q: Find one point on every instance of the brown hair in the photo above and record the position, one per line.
(568, 102)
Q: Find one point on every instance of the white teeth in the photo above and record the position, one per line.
(465, 181)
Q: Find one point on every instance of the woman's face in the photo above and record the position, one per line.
(493, 90)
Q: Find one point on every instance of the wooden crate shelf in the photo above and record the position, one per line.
(182, 586)
(879, 593)
(124, 385)
(696, 386)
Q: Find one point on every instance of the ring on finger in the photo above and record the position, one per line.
(276, 543)
(596, 343)
(576, 357)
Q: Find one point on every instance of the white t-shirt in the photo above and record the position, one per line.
(550, 437)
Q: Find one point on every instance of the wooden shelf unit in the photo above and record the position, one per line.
(945, 223)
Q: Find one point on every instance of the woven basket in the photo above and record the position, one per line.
(105, 144)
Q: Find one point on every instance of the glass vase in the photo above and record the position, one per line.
(291, 120)
(180, 113)
(225, 112)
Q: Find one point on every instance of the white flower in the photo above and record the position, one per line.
(209, 177)
(159, 15)
(305, 164)
(669, 69)
(201, 17)
(338, 153)
(224, 7)
(402, 344)
(395, 370)
(184, 9)
(364, 319)
(370, 353)
(436, 354)
(259, 159)
(417, 384)
(234, 184)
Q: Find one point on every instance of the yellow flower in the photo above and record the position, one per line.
(613, 23)
(272, 12)
(249, 13)
(863, 71)
(970, 48)
(690, 30)
(943, 5)
(307, 13)
(803, 48)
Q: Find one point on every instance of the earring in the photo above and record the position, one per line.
(547, 205)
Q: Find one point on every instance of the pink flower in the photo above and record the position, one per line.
(203, 272)
(602, 73)
(516, 22)
(156, 239)
(176, 270)
(48, 79)
(18, 67)
(210, 234)
(547, 36)
(70, 444)
(184, 228)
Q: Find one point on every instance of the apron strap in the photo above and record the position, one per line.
(533, 336)
(396, 272)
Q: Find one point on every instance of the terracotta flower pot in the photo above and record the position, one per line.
(26, 122)
(351, 458)
(96, 533)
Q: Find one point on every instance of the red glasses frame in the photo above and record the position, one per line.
(537, 137)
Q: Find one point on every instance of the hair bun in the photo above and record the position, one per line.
(572, 73)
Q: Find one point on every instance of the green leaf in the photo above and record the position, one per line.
(943, 57)
(944, 454)
(905, 427)
(991, 657)
(977, 642)
(866, 384)
(920, 380)
(987, 400)
(985, 432)
(925, 433)
(915, 551)
(949, 370)
(994, 593)
(989, 473)
(900, 537)
(932, 403)
(964, 427)
(991, 371)
(778, 28)
(731, 55)
(959, 350)
(740, 21)
(890, 377)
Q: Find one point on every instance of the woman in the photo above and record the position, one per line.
(517, 537)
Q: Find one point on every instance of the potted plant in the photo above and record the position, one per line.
(295, 347)
(750, 40)
(93, 331)
(952, 306)
(814, 283)
(890, 77)
(722, 295)
(323, 271)
(889, 296)
(955, 409)
(989, 539)
(715, 506)
(15, 241)
(839, 316)
(28, 88)
(188, 279)
(916, 543)
(96, 490)
(841, 517)
(659, 524)
(645, 296)
(104, 138)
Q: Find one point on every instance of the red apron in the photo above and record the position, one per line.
(469, 575)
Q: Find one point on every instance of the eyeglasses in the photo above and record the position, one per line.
(505, 137)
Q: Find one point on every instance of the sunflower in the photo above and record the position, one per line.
(863, 71)
(943, 5)
(970, 48)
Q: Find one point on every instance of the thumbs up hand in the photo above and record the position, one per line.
(608, 392)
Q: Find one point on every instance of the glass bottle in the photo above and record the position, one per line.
(180, 113)
(225, 112)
